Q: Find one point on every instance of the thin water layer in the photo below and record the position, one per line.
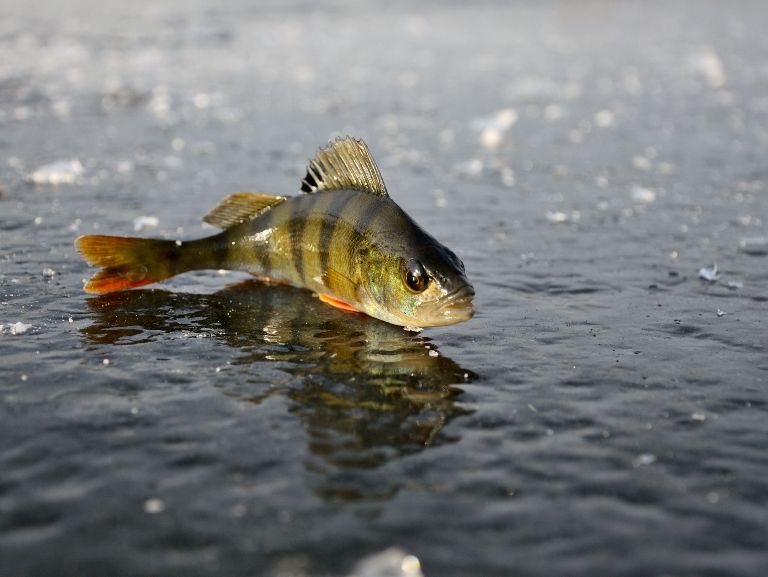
(604, 413)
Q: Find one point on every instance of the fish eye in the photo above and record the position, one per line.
(415, 276)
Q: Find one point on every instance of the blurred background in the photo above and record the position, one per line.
(599, 166)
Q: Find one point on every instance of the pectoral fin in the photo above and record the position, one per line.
(334, 302)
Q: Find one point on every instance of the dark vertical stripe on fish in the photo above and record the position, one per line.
(262, 250)
(300, 212)
(369, 214)
(330, 223)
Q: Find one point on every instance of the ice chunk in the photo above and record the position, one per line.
(641, 163)
(553, 112)
(142, 222)
(721, 313)
(643, 195)
(18, 328)
(492, 128)
(560, 217)
(709, 273)
(644, 459)
(756, 245)
(604, 118)
(393, 562)
(708, 64)
(471, 167)
(491, 137)
(154, 506)
(59, 172)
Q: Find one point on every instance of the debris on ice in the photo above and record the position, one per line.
(59, 172)
(709, 273)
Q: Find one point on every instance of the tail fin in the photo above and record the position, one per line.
(128, 262)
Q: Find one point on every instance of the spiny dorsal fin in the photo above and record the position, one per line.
(241, 207)
(344, 164)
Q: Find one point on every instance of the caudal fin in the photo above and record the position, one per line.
(128, 262)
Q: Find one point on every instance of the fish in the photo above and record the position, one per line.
(342, 237)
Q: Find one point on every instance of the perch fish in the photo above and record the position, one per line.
(344, 239)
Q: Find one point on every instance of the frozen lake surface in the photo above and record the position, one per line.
(605, 412)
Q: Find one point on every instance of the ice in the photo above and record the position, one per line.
(735, 285)
(142, 222)
(59, 172)
(709, 273)
(643, 195)
(721, 313)
(18, 328)
(755, 246)
(393, 562)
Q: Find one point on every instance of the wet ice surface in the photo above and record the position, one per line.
(598, 416)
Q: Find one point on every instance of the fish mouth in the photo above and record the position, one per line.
(456, 307)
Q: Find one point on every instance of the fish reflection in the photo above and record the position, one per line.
(367, 391)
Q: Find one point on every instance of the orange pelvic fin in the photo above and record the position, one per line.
(334, 302)
(128, 262)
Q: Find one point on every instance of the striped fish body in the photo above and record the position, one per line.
(321, 242)
(346, 240)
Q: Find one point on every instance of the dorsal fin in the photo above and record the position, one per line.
(241, 207)
(344, 164)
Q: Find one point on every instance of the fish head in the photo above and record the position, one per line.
(422, 286)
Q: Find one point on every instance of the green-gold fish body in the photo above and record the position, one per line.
(345, 239)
